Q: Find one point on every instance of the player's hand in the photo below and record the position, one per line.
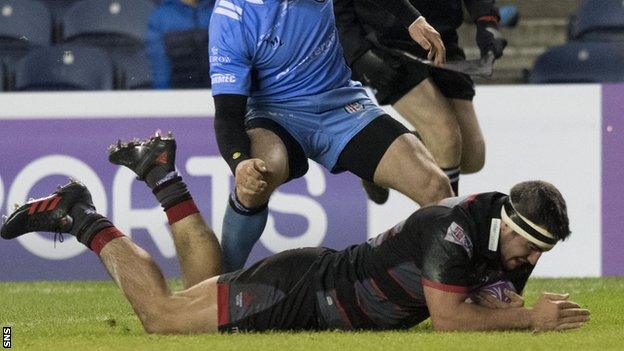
(429, 38)
(489, 39)
(250, 176)
(373, 71)
(556, 312)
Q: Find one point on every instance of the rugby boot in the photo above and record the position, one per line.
(376, 193)
(49, 214)
(150, 159)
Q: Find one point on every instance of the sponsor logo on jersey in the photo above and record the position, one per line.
(219, 78)
(455, 234)
(274, 41)
(216, 59)
(354, 107)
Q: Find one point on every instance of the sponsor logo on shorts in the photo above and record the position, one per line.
(354, 107)
(455, 234)
(219, 78)
(244, 299)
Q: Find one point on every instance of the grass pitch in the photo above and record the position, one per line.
(95, 316)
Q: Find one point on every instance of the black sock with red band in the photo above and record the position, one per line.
(174, 197)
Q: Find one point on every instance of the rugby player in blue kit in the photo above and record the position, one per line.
(283, 94)
(426, 266)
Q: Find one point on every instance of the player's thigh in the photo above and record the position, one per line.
(430, 113)
(386, 153)
(473, 143)
(408, 167)
(364, 151)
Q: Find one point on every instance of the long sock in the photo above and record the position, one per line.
(242, 228)
(453, 175)
(87, 223)
(103, 237)
(174, 197)
(91, 228)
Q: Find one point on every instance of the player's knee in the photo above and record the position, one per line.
(252, 200)
(443, 138)
(473, 159)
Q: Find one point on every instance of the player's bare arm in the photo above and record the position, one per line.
(450, 312)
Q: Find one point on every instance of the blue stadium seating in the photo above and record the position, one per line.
(58, 7)
(599, 20)
(580, 62)
(64, 67)
(136, 72)
(2, 78)
(24, 24)
(117, 26)
(107, 22)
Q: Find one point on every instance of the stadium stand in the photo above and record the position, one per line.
(116, 26)
(2, 78)
(64, 67)
(580, 62)
(108, 23)
(599, 21)
(177, 44)
(136, 73)
(542, 25)
(24, 24)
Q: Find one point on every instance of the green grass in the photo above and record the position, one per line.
(95, 316)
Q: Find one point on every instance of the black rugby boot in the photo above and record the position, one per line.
(150, 159)
(49, 214)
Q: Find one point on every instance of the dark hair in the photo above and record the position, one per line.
(543, 204)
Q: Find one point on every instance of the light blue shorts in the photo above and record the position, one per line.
(322, 135)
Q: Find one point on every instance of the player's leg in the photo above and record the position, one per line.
(473, 144)
(385, 152)
(153, 160)
(246, 215)
(190, 311)
(432, 115)
(70, 210)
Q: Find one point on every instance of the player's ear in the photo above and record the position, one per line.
(506, 230)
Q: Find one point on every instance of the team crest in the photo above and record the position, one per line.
(456, 235)
(354, 107)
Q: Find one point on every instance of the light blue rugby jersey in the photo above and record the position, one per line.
(281, 53)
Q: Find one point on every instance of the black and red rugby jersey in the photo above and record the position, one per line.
(379, 284)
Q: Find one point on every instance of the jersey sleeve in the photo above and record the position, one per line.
(447, 254)
(230, 59)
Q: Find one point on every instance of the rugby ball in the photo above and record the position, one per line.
(496, 289)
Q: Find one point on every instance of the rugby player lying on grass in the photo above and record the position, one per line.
(428, 265)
